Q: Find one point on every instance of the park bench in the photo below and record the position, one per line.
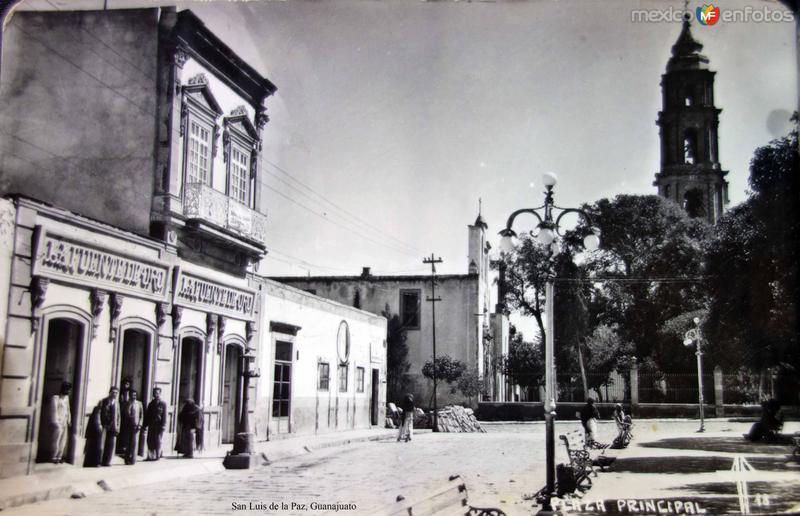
(449, 500)
(580, 458)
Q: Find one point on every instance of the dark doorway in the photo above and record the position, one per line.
(136, 361)
(189, 381)
(374, 403)
(231, 392)
(64, 338)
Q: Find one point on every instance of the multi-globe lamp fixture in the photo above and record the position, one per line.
(549, 235)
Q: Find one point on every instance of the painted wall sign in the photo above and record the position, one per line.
(207, 295)
(68, 260)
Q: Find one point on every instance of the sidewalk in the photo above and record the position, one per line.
(51, 481)
(682, 465)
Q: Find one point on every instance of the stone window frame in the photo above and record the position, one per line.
(193, 111)
(403, 320)
(239, 135)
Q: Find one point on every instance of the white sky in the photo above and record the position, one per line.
(404, 113)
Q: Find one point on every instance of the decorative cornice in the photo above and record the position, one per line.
(249, 333)
(211, 329)
(261, 119)
(97, 299)
(239, 111)
(38, 292)
(285, 328)
(115, 301)
(162, 310)
(180, 57)
(177, 313)
(220, 332)
(200, 79)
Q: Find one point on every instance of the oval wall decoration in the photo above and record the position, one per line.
(343, 342)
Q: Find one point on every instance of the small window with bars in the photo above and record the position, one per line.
(343, 378)
(323, 376)
(359, 379)
(199, 153)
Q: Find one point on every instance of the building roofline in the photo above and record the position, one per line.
(417, 277)
(341, 306)
(192, 34)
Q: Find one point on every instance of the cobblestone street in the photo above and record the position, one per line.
(498, 467)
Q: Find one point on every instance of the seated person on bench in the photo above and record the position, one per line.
(769, 426)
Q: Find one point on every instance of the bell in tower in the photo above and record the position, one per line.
(690, 173)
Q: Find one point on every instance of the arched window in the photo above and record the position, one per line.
(693, 203)
(689, 147)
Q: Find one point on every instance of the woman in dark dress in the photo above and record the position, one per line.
(93, 451)
(190, 420)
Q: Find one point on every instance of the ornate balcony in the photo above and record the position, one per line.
(207, 206)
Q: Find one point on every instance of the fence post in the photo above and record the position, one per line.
(719, 403)
(635, 389)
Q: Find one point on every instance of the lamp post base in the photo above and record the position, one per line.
(242, 456)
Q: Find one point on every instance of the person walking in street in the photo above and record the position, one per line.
(589, 417)
(110, 419)
(60, 419)
(133, 416)
(155, 421)
(93, 450)
(190, 420)
(407, 427)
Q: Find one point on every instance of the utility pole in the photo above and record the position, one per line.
(433, 300)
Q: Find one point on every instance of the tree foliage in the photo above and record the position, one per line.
(752, 264)
(654, 253)
(397, 364)
(524, 363)
(448, 370)
(472, 384)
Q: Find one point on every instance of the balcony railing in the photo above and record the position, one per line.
(204, 203)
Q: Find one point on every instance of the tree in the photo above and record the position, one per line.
(524, 363)
(472, 384)
(651, 255)
(396, 357)
(526, 272)
(448, 370)
(752, 266)
(606, 352)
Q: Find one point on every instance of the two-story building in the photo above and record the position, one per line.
(131, 236)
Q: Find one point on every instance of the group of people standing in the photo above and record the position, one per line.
(590, 415)
(119, 423)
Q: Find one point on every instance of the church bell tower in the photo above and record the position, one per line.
(690, 171)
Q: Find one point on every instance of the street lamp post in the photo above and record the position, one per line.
(242, 456)
(694, 335)
(549, 232)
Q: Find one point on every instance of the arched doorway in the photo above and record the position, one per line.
(61, 364)
(231, 392)
(136, 361)
(191, 362)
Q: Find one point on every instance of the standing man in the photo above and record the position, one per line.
(407, 427)
(124, 431)
(60, 419)
(134, 413)
(155, 421)
(589, 417)
(110, 419)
